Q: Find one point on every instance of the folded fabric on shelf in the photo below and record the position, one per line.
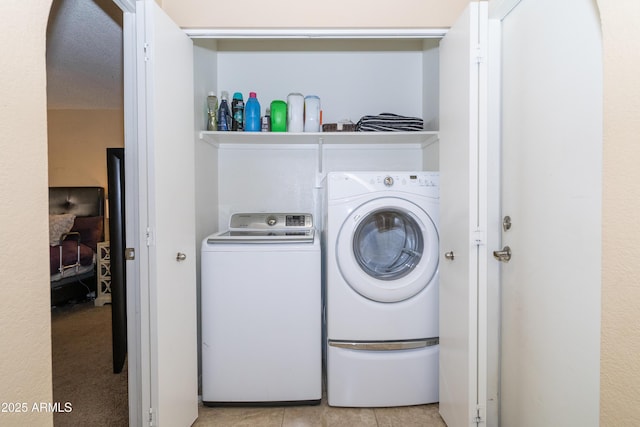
(389, 122)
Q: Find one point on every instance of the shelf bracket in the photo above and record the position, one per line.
(320, 155)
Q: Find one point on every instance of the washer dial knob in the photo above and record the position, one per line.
(272, 220)
(388, 181)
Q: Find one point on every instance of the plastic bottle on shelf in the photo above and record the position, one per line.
(237, 112)
(224, 113)
(252, 114)
(278, 117)
(311, 113)
(266, 121)
(295, 112)
(212, 111)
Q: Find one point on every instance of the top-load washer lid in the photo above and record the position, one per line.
(267, 228)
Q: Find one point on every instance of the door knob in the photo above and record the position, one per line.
(181, 257)
(449, 255)
(504, 255)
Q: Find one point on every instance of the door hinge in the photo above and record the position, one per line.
(478, 418)
(478, 237)
(146, 51)
(150, 236)
(481, 57)
(150, 417)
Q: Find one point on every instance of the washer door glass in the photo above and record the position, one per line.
(388, 244)
(387, 248)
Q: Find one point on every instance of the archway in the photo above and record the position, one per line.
(85, 117)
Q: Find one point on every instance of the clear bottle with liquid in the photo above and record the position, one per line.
(212, 111)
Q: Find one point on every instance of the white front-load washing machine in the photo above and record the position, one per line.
(381, 260)
(261, 311)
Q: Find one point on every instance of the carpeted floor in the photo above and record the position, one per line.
(83, 368)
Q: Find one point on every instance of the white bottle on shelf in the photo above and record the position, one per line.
(295, 112)
(311, 113)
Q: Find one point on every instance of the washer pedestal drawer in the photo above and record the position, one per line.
(366, 378)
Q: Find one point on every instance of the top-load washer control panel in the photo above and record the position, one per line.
(264, 221)
(263, 227)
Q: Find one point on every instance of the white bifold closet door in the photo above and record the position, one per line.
(165, 121)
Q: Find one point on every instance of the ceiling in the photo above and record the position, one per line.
(84, 55)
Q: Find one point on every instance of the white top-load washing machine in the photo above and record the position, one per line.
(261, 311)
(381, 260)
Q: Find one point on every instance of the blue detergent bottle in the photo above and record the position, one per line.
(252, 121)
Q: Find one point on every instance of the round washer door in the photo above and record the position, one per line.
(387, 249)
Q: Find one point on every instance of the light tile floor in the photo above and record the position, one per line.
(319, 415)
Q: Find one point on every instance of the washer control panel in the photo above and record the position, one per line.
(341, 185)
(262, 221)
(425, 179)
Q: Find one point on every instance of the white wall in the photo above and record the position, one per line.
(284, 178)
(352, 78)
